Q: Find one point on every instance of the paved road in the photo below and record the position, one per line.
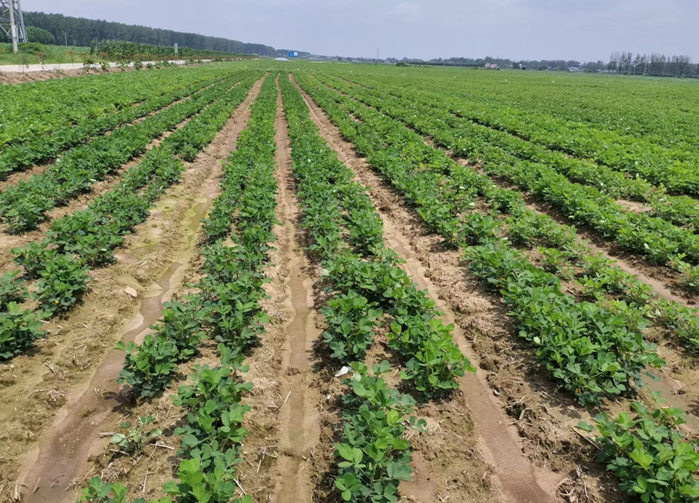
(67, 66)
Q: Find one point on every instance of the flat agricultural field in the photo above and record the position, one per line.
(297, 282)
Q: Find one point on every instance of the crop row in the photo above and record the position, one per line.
(426, 189)
(46, 148)
(412, 108)
(590, 349)
(86, 239)
(226, 307)
(369, 290)
(658, 239)
(459, 188)
(674, 167)
(36, 109)
(227, 299)
(655, 111)
(24, 206)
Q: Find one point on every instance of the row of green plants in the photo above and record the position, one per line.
(368, 291)
(396, 158)
(47, 148)
(38, 109)
(211, 439)
(593, 350)
(525, 228)
(226, 304)
(680, 210)
(24, 206)
(661, 241)
(364, 269)
(228, 298)
(672, 165)
(559, 248)
(647, 108)
(86, 239)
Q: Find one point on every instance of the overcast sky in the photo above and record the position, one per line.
(517, 29)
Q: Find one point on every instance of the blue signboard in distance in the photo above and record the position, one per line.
(293, 54)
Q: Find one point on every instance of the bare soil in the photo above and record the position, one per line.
(299, 423)
(10, 78)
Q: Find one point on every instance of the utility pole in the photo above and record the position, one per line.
(12, 22)
(22, 30)
(13, 30)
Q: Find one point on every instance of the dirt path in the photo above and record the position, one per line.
(63, 451)
(515, 475)
(13, 78)
(299, 421)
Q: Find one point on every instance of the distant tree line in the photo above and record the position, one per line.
(620, 62)
(560, 65)
(81, 32)
(654, 64)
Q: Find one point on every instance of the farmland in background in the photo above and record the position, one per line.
(267, 281)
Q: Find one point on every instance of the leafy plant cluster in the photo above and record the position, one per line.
(46, 148)
(649, 453)
(372, 453)
(572, 359)
(12, 289)
(662, 158)
(226, 303)
(211, 444)
(661, 466)
(369, 289)
(43, 109)
(24, 206)
(660, 240)
(458, 187)
(365, 275)
(202, 128)
(256, 147)
(212, 437)
(130, 50)
(86, 239)
(226, 307)
(590, 348)
(136, 436)
(19, 328)
(680, 210)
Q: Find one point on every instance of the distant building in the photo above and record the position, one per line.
(492, 66)
(575, 69)
(292, 54)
